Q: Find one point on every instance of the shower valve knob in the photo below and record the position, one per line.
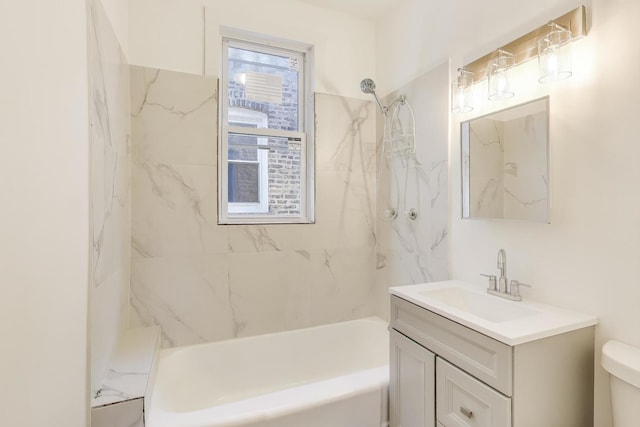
(412, 214)
(390, 214)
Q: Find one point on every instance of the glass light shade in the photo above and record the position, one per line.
(461, 93)
(554, 55)
(498, 72)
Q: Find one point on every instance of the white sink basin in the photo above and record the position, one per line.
(488, 307)
(510, 322)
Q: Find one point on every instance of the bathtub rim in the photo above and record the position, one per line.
(166, 352)
(278, 403)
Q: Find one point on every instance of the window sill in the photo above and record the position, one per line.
(265, 221)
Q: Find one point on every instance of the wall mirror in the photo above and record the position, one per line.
(505, 164)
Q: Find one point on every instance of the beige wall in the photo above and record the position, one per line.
(44, 243)
(170, 35)
(117, 12)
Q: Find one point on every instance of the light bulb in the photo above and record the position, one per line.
(554, 55)
(461, 100)
(552, 64)
(502, 83)
(498, 74)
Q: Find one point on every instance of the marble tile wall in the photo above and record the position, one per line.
(414, 251)
(486, 184)
(125, 391)
(525, 168)
(204, 282)
(509, 168)
(110, 188)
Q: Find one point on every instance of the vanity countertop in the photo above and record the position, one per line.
(510, 322)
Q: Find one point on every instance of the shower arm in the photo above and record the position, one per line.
(401, 99)
(368, 86)
(384, 109)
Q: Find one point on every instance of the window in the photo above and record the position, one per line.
(247, 162)
(266, 165)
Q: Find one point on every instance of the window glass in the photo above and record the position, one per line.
(265, 82)
(244, 183)
(264, 166)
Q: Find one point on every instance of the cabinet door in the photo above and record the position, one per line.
(412, 383)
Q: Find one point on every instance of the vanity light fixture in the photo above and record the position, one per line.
(498, 75)
(550, 43)
(554, 54)
(461, 92)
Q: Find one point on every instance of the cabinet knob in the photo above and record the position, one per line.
(467, 413)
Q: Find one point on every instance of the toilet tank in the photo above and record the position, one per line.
(622, 361)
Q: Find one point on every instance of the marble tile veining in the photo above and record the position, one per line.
(293, 289)
(204, 282)
(508, 177)
(188, 296)
(173, 117)
(415, 251)
(129, 368)
(174, 212)
(110, 188)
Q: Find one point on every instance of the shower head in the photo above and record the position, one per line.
(368, 86)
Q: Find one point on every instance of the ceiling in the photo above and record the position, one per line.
(366, 9)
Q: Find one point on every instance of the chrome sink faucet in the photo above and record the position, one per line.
(502, 266)
(499, 287)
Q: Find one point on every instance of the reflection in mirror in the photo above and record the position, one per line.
(505, 164)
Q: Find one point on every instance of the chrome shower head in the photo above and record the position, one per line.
(368, 86)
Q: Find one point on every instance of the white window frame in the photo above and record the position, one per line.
(242, 115)
(227, 212)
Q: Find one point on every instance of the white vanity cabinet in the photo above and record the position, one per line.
(449, 375)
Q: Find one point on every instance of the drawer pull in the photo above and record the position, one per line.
(467, 413)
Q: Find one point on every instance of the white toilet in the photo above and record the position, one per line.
(622, 361)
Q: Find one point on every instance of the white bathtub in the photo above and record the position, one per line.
(332, 375)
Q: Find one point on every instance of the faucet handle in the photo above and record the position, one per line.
(514, 287)
(492, 280)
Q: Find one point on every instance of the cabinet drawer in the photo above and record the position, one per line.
(485, 358)
(463, 401)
